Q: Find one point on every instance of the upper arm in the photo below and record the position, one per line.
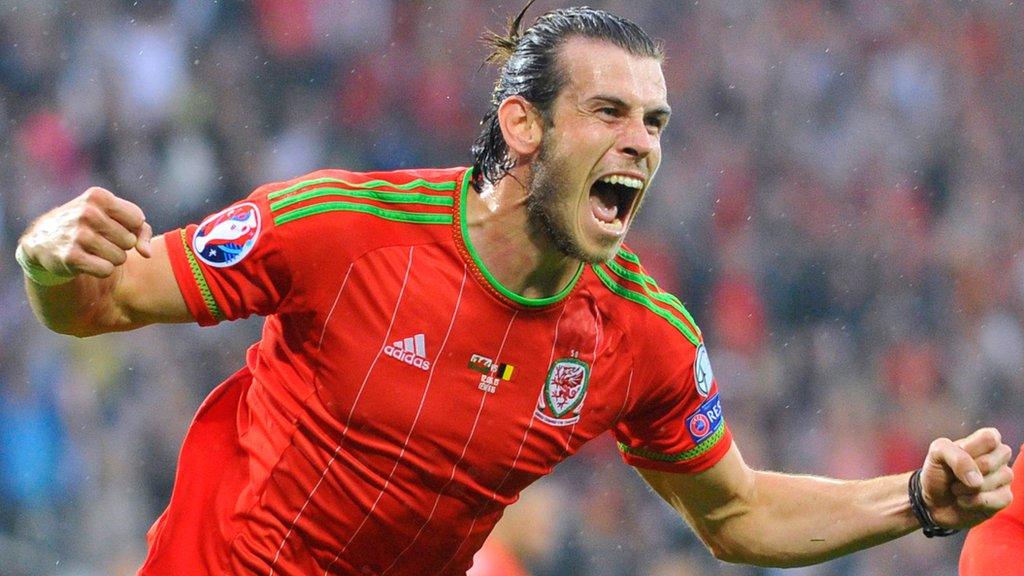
(709, 498)
(147, 292)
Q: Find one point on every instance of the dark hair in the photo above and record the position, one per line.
(529, 68)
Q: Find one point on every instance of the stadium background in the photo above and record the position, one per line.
(839, 205)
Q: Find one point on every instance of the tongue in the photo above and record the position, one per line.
(605, 205)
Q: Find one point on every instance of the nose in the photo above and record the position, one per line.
(635, 141)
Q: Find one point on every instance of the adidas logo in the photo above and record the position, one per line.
(412, 351)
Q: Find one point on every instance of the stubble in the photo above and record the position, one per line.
(550, 215)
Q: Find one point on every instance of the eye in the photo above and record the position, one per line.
(655, 124)
(608, 111)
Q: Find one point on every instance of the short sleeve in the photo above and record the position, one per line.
(675, 423)
(230, 265)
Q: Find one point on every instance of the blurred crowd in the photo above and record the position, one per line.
(839, 206)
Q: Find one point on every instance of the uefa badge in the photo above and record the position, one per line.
(706, 420)
(561, 399)
(228, 236)
(702, 373)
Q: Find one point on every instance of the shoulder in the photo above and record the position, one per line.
(646, 312)
(366, 204)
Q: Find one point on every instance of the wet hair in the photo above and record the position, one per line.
(529, 67)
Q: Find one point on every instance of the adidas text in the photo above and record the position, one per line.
(412, 351)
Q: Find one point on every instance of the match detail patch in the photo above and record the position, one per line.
(492, 372)
(228, 236)
(705, 420)
(702, 373)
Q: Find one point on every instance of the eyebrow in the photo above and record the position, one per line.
(663, 111)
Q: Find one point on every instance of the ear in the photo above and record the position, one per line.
(521, 126)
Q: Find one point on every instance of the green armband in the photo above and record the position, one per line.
(37, 273)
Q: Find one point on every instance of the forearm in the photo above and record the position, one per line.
(90, 267)
(82, 307)
(787, 520)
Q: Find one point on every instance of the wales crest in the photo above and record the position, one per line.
(561, 399)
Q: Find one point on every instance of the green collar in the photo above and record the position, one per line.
(497, 286)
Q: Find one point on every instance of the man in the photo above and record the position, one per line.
(996, 547)
(436, 340)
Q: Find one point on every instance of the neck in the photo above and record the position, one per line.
(499, 228)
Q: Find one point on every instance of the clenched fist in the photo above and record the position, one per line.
(968, 480)
(91, 235)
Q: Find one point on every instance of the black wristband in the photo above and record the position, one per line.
(930, 528)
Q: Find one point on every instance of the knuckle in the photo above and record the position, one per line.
(1005, 452)
(72, 257)
(88, 214)
(994, 434)
(95, 193)
(118, 257)
(123, 239)
(81, 236)
(105, 269)
(987, 464)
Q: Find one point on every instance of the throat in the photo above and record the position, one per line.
(516, 261)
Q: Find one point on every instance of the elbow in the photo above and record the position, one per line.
(718, 543)
(738, 552)
(69, 327)
(80, 331)
(80, 323)
(725, 552)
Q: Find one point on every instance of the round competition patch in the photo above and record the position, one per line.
(225, 238)
(702, 373)
(700, 425)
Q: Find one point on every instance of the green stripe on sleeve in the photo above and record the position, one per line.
(418, 183)
(643, 300)
(698, 450)
(396, 215)
(391, 197)
(630, 257)
(663, 297)
(197, 274)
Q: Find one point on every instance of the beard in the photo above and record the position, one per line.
(549, 213)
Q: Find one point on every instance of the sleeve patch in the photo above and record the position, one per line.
(706, 420)
(228, 236)
(702, 373)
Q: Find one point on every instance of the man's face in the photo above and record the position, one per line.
(600, 151)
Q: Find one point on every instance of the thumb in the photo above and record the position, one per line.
(948, 456)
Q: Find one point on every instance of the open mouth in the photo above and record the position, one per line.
(612, 198)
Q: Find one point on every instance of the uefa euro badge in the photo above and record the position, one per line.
(702, 373)
(561, 400)
(228, 236)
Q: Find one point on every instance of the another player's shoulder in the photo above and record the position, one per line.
(423, 196)
(631, 295)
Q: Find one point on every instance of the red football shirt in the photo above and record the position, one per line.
(400, 397)
(996, 546)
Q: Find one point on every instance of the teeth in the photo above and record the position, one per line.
(634, 183)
